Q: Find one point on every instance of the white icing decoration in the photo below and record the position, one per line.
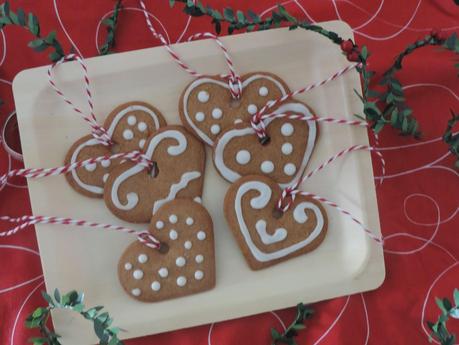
(237, 121)
(217, 113)
(188, 245)
(252, 109)
(215, 129)
(200, 116)
(173, 150)
(198, 275)
(90, 167)
(163, 272)
(175, 188)
(243, 157)
(93, 142)
(198, 200)
(181, 281)
(155, 286)
(289, 169)
(173, 218)
(137, 274)
(299, 213)
(180, 261)
(199, 258)
(132, 120)
(105, 178)
(142, 258)
(263, 91)
(287, 129)
(128, 134)
(287, 148)
(267, 167)
(203, 96)
(279, 235)
(136, 292)
(189, 221)
(142, 126)
(105, 163)
(262, 200)
(201, 235)
(127, 266)
(142, 143)
(225, 85)
(173, 235)
(219, 149)
(159, 224)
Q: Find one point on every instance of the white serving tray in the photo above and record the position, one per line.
(83, 259)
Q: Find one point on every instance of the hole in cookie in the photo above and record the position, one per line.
(163, 248)
(154, 171)
(235, 103)
(265, 140)
(277, 214)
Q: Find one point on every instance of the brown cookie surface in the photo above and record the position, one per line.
(129, 125)
(207, 107)
(238, 151)
(134, 194)
(189, 265)
(265, 238)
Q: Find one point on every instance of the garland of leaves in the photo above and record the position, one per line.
(111, 24)
(73, 301)
(288, 336)
(452, 140)
(439, 330)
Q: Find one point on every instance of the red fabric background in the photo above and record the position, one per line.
(417, 202)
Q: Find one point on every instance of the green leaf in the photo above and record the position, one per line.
(228, 14)
(39, 312)
(254, 17)
(275, 335)
(241, 17)
(283, 12)
(456, 297)
(6, 8)
(34, 27)
(447, 304)
(38, 341)
(14, 18)
(21, 17)
(450, 42)
(47, 298)
(57, 296)
(364, 52)
(171, 3)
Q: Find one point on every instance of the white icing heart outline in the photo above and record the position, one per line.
(110, 130)
(200, 81)
(259, 202)
(225, 138)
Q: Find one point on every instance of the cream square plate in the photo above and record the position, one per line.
(74, 258)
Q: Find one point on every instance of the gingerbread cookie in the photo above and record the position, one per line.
(265, 236)
(238, 152)
(188, 266)
(129, 125)
(133, 193)
(207, 107)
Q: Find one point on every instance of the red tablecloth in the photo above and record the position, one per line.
(418, 202)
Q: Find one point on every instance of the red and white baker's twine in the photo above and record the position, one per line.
(142, 236)
(98, 132)
(234, 80)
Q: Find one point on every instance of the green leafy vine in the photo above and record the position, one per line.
(111, 24)
(451, 139)
(439, 331)
(303, 313)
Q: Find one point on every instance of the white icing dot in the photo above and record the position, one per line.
(237, 121)
(199, 258)
(181, 281)
(142, 126)
(128, 134)
(155, 286)
(127, 266)
(132, 120)
(105, 163)
(217, 113)
(189, 221)
(198, 275)
(135, 292)
(263, 91)
(215, 129)
(267, 167)
(203, 96)
(105, 178)
(137, 274)
(142, 258)
(200, 116)
(90, 167)
(180, 261)
(287, 148)
(198, 199)
(289, 169)
(201, 235)
(173, 235)
(187, 245)
(243, 157)
(142, 143)
(163, 272)
(173, 218)
(252, 109)
(159, 224)
(287, 129)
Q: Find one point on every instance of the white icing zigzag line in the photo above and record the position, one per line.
(175, 188)
(279, 235)
(264, 196)
(173, 150)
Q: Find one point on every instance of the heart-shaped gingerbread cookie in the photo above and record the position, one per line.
(133, 193)
(189, 265)
(265, 238)
(207, 108)
(129, 125)
(238, 152)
